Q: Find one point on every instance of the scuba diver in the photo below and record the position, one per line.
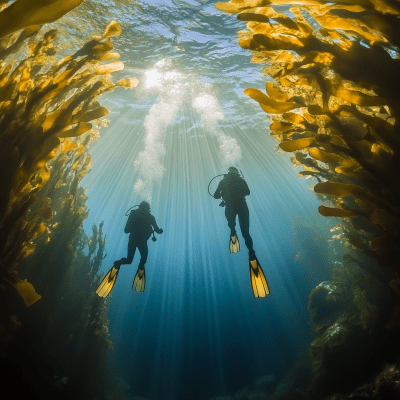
(233, 189)
(140, 226)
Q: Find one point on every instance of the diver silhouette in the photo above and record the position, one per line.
(233, 189)
(140, 226)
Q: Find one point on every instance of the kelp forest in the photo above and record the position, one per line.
(331, 96)
(331, 99)
(49, 116)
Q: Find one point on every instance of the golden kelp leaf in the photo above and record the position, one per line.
(24, 79)
(268, 109)
(109, 57)
(50, 119)
(294, 118)
(309, 118)
(23, 13)
(4, 74)
(361, 99)
(278, 42)
(44, 174)
(347, 166)
(323, 156)
(275, 94)
(293, 145)
(108, 68)
(315, 109)
(281, 136)
(334, 139)
(94, 114)
(101, 47)
(129, 83)
(113, 29)
(334, 22)
(78, 130)
(230, 8)
(301, 21)
(349, 163)
(303, 81)
(46, 158)
(344, 189)
(336, 212)
(253, 17)
(264, 100)
(26, 291)
(4, 43)
(247, 43)
(281, 126)
(344, 170)
(69, 146)
(287, 22)
(39, 231)
(322, 58)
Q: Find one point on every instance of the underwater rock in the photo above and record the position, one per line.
(296, 382)
(385, 386)
(346, 315)
(326, 304)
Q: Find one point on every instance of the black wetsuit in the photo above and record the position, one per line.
(233, 190)
(140, 225)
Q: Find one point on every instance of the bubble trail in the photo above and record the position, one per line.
(173, 89)
(208, 107)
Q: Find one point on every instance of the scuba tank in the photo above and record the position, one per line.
(154, 239)
(222, 204)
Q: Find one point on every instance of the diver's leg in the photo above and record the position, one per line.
(231, 218)
(131, 253)
(144, 251)
(244, 223)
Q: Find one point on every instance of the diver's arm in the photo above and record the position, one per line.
(155, 226)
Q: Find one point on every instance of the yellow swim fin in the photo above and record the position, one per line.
(139, 282)
(258, 282)
(108, 282)
(234, 245)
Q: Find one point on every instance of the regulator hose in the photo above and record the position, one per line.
(211, 181)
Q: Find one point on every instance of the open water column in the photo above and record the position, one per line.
(191, 332)
(105, 104)
(197, 330)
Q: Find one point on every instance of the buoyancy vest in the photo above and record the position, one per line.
(139, 223)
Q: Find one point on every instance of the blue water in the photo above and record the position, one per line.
(197, 331)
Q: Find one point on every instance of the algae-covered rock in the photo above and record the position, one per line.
(346, 316)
